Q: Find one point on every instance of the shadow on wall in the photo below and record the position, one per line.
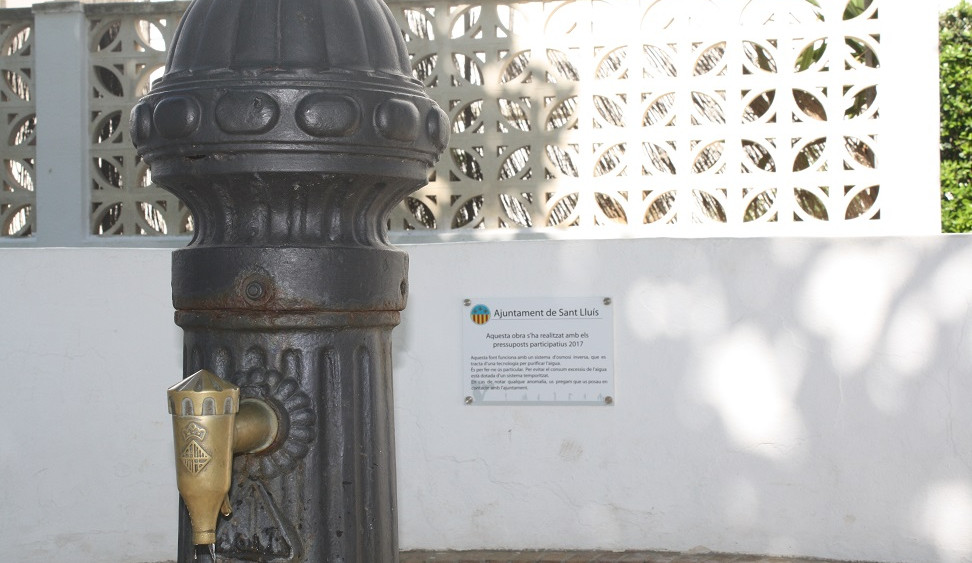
(778, 396)
(847, 357)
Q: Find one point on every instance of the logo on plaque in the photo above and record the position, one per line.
(480, 314)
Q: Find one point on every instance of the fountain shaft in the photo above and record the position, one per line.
(291, 128)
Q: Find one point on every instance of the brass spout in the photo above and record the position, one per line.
(210, 424)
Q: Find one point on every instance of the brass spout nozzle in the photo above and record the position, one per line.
(210, 424)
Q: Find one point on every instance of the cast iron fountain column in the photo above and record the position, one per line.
(291, 128)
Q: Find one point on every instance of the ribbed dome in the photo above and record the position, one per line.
(315, 86)
(282, 35)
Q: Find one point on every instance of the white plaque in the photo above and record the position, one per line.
(538, 351)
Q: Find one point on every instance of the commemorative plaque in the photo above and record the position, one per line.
(547, 351)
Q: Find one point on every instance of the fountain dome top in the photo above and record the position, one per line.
(259, 36)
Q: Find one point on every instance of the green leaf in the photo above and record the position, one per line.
(955, 69)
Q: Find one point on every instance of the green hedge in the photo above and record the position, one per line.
(955, 59)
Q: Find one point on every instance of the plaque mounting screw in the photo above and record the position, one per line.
(467, 302)
(607, 300)
(469, 400)
(609, 400)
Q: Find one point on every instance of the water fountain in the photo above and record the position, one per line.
(290, 128)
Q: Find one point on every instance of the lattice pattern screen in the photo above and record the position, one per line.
(635, 113)
(19, 122)
(650, 112)
(127, 50)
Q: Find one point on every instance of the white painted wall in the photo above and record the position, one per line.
(87, 347)
(779, 396)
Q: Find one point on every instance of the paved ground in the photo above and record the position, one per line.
(591, 557)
